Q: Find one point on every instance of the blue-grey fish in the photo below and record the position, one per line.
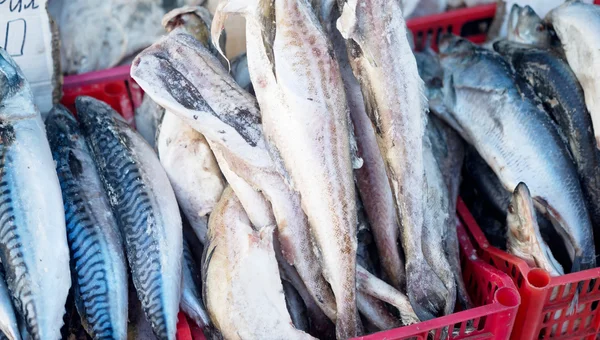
(516, 138)
(33, 238)
(143, 201)
(97, 256)
(8, 319)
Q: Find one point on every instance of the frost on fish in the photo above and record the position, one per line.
(516, 138)
(184, 77)
(243, 290)
(98, 259)
(146, 210)
(192, 169)
(383, 62)
(33, 240)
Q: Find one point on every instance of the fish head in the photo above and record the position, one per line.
(526, 27)
(61, 121)
(16, 98)
(92, 113)
(521, 213)
(454, 50)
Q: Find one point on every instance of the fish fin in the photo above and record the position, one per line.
(207, 254)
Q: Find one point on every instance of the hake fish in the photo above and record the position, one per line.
(524, 239)
(242, 288)
(562, 96)
(486, 108)
(146, 209)
(33, 238)
(192, 169)
(577, 25)
(385, 66)
(98, 260)
(305, 120)
(184, 77)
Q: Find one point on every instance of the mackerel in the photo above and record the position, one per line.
(144, 204)
(98, 260)
(33, 240)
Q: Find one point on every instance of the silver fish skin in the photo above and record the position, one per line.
(242, 304)
(371, 179)
(553, 81)
(526, 27)
(437, 221)
(448, 149)
(210, 101)
(98, 259)
(33, 242)
(385, 66)
(192, 170)
(147, 118)
(516, 138)
(305, 120)
(9, 325)
(146, 209)
(577, 25)
(523, 238)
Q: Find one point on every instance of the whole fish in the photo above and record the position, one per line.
(295, 306)
(144, 204)
(305, 120)
(437, 223)
(385, 66)
(8, 319)
(192, 170)
(448, 149)
(516, 138)
(371, 179)
(524, 239)
(577, 24)
(98, 260)
(558, 88)
(184, 77)
(147, 118)
(33, 240)
(242, 304)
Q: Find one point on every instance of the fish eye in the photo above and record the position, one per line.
(540, 27)
(511, 209)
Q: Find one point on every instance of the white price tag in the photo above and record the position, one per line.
(26, 35)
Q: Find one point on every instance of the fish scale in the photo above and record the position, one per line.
(136, 206)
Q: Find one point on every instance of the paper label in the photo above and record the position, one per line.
(26, 35)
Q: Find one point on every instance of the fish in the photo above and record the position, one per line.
(485, 180)
(295, 306)
(449, 152)
(488, 111)
(437, 223)
(145, 206)
(577, 24)
(556, 85)
(376, 312)
(191, 294)
(211, 102)
(385, 66)
(192, 170)
(147, 118)
(8, 319)
(371, 179)
(98, 261)
(239, 71)
(523, 238)
(33, 238)
(526, 27)
(306, 124)
(242, 304)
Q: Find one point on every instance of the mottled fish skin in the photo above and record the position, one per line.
(449, 151)
(192, 169)
(9, 326)
(385, 66)
(577, 25)
(295, 306)
(242, 304)
(523, 238)
(147, 118)
(516, 138)
(371, 179)
(98, 260)
(210, 101)
(146, 209)
(305, 119)
(558, 88)
(437, 221)
(33, 240)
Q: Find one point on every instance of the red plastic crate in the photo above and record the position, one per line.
(544, 299)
